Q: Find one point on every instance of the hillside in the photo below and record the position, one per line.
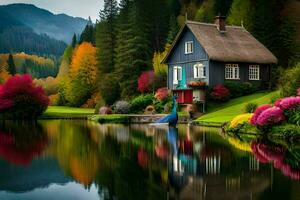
(60, 27)
(26, 28)
(38, 67)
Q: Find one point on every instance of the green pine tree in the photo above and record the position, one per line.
(11, 65)
(74, 41)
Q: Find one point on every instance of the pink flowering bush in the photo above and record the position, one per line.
(20, 98)
(298, 92)
(145, 81)
(162, 94)
(257, 113)
(289, 103)
(270, 116)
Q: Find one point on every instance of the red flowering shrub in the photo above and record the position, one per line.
(162, 94)
(145, 81)
(270, 116)
(220, 93)
(20, 98)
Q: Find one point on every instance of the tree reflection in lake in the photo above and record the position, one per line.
(134, 162)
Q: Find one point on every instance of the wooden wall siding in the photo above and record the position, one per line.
(217, 73)
(178, 53)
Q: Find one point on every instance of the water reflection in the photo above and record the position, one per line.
(64, 158)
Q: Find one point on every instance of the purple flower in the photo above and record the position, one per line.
(257, 113)
(270, 116)
(289, 103)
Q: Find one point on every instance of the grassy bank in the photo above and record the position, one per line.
(62, 112)
(225, 112)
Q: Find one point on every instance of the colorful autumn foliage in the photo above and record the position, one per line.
(20, 98)
(145, 81)
(83, 71)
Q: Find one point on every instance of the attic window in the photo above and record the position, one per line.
(189, 47)
(254, 72)
(232, 71)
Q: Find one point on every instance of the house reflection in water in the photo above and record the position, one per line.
(203, 166)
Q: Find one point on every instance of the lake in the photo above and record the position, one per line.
(82, 160)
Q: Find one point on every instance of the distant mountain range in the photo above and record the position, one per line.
(25, 27)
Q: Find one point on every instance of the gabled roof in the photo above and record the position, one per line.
(236, 44)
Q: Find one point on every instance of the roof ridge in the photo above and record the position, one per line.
(212, 24)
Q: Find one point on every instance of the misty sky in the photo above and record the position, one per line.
(77, 8)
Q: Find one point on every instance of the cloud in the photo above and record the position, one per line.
(76, 8)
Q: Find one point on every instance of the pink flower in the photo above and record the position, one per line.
(162, 94)
(298, 92)
(289, 103)
(257, 113)
(270, 116)
(277, 102)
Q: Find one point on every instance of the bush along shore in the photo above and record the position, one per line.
(278, 120)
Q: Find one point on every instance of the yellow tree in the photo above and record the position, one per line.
(83, 72)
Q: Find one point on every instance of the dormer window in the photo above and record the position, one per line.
(199, 71)
(189, 47)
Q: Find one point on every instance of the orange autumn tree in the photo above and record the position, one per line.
(83, 71)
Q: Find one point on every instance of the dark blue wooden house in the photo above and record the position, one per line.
(212, 54)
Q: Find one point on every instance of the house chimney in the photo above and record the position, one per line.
(220, 22)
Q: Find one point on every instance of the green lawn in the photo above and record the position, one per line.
(225, 112)
(67, 112)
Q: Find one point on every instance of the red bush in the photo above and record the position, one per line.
(162, 94)
(21, 98)
(220, 93)
(145, 81)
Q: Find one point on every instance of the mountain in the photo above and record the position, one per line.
(27, 28)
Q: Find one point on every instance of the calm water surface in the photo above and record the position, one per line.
(80, 160)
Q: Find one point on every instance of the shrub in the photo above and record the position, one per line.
(20, 98)
(250, 107)
(257, 113)
(270, 116)
(298, 92)
(293, 115)
(139, 103)
(92, 102)
(162, 94)
(105, 110)
(122, 107)
(290, 81)
(145, 81)
(220, 93)
(241, 119)
(238, 89)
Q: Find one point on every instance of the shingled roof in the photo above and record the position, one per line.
(236, 44)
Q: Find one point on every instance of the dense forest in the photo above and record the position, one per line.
(129, 40)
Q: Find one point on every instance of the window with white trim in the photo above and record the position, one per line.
(232, 71)
(189, 47)
(254, 72)
(199, 71)
(177, 74)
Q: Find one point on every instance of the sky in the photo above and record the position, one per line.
(76, 8)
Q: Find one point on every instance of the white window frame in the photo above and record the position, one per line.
(177, 74)
(254, 72)
(189, 47)
(232, 72)
(199, 71)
